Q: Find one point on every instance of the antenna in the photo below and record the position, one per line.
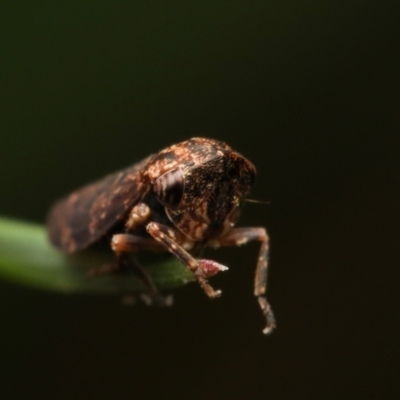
(257, 201)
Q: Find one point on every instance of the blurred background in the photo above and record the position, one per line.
(307, 90)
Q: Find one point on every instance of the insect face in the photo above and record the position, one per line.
(211, 193)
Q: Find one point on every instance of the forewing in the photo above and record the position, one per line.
(84, 217)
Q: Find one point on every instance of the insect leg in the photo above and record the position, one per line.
(138, 216)
(128, 243)
(202, 269)
(123, 244)
(239, 236)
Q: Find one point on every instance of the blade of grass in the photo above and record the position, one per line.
(27, 257)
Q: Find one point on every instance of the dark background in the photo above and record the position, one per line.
(309, 91)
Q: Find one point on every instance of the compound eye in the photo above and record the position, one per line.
(169, 188)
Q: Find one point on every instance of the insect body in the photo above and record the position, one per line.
(186, 197)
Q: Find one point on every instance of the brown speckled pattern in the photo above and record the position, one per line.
(85, 216)
(216, 180)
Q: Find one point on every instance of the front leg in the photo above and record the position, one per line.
(126, 243)
(239, 236)
(202, 269)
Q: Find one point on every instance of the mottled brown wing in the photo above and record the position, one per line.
(85, 216)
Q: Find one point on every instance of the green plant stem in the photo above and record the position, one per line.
(27, 257)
